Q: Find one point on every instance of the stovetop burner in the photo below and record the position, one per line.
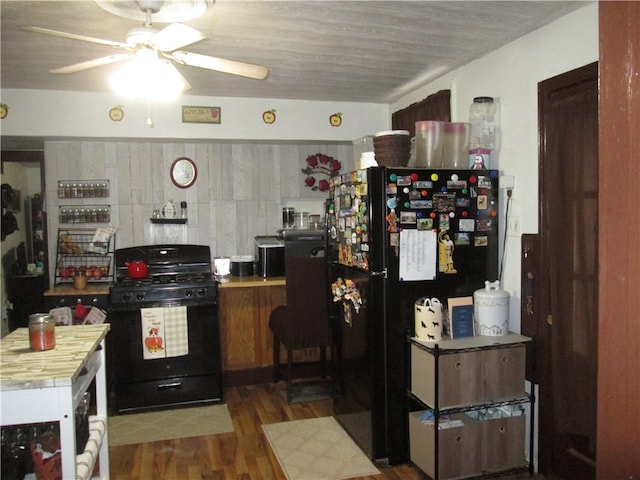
(177, 274)
(180, 279)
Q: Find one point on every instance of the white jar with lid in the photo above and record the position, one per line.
(482, 118)
(491, 310)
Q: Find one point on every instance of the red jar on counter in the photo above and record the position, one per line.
(42, 332)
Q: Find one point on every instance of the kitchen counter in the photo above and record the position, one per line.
(69, 289)
(252, 281)
(21, 369)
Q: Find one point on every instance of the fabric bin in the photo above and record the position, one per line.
(459, 448)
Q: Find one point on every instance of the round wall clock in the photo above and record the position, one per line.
(183, 172)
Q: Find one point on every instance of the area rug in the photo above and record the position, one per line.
(317, 449)
(169, 424)
(309, 393)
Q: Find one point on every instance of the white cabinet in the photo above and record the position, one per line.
(474, 389)
(48, 387)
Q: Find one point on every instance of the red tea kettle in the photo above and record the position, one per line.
(137, 269)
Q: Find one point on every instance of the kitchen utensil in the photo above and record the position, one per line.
(137, 269)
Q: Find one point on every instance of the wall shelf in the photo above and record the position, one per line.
(168, 221)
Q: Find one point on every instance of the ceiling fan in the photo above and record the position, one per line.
(146, 42)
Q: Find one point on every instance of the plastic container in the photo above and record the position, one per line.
(456, 145)
(361, 145)
(301, 220)
(428, 144)
(42, 332)
(482, 118)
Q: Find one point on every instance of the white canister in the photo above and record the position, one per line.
(491, 310)
(428, 319)
(222, 266)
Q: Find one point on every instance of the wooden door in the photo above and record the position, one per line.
(568, 288)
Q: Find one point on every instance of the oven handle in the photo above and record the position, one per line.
(166, 386)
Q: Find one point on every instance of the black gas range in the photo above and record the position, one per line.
(176, 274)
(180, 292)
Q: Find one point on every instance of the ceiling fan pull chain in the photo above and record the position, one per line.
(147, 22)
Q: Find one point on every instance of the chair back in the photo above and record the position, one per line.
(307, 290)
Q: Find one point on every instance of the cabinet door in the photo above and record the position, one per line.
(240, 327)
(270, 298)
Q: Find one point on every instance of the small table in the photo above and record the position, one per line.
(48, 387)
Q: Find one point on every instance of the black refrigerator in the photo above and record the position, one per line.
(395, 235)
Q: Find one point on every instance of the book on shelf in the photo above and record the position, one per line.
(461, 317)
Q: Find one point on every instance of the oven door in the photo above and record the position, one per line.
(144, 384)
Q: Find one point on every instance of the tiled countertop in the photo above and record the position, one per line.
(21, 369)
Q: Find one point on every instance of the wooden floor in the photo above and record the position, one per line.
(244, 454)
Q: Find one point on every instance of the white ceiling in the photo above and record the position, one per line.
(361, 51)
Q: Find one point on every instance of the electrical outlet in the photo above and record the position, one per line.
(507, 182)
(513, 226)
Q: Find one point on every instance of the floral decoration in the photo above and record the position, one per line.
(320, 164)
(346, 290)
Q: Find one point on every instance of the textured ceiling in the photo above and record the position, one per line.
(361, 51)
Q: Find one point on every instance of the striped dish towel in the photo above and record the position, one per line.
(176, 331)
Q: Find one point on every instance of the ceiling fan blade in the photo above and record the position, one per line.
(75, 36)
(187, 85)
(78, 67)
(221, 65)
(176, 35)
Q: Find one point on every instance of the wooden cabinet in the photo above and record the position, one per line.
(474, 390)
(245, 305)
(244, 309)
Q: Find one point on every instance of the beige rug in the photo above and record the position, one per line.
(169, 424)
(317, 449)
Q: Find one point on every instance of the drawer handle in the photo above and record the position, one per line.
(458, 365)
(170, 386)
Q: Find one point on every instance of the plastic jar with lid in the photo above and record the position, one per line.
(482, 118)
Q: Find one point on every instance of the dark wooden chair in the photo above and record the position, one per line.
(303, 323)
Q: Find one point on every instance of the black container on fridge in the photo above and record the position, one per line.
(396, 235)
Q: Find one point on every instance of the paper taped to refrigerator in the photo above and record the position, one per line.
(418, 249)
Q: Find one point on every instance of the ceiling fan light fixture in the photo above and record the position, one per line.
(163, 11)
(149, 78)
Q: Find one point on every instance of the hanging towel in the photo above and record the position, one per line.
(164, 332)
(176, 332)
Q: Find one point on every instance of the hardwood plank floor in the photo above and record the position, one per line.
(244, 454)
